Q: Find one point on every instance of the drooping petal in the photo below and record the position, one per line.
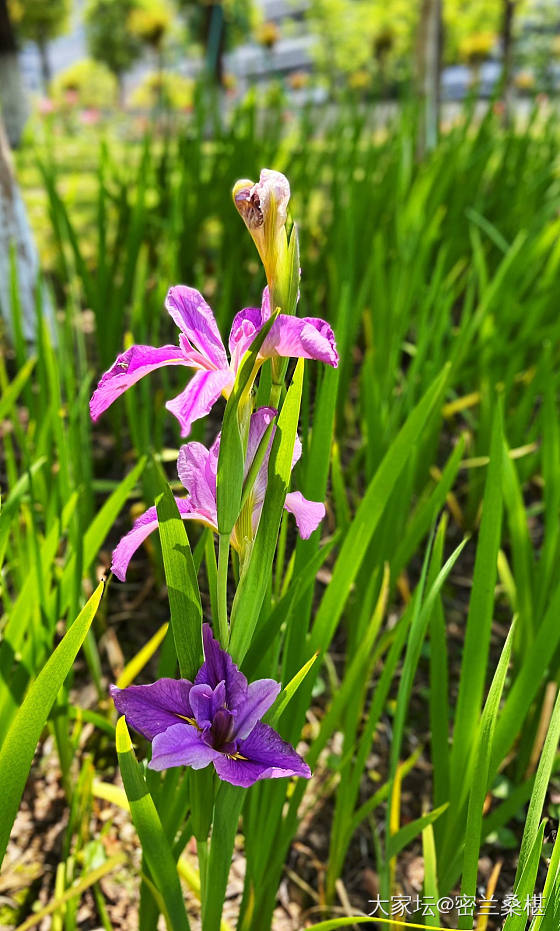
(195, 319)
(205, 702)
(308, 514)
(181, 745)
(197, 468)
(142, 528)
(259, 423)
(151, 709)
(199, 397)
(128, 368)
(301, 338)
(246, 324)
(266, 309)
(218, 666)
(267, 757)
(296, 455)
(261, 695)
(260, 420)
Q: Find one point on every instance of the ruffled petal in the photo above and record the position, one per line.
(261, 695)
(301, 338)
(197, 468)
(195, 319)
(265, 305)
(267, 756)
(181, 745)
(260, 421)
(246, 324)
(128, 368)
(205, 702)
(308, 514)
(199, 397)
(151, 709)
(218, 666)
(142, 528)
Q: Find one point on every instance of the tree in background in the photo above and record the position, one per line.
(12, 93)
(428, 72)
(217, 25)
(40, 21)
(109, 37)
(86, 83)
(151, 22)
(359, 37)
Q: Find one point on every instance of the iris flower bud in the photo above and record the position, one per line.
(264, 209)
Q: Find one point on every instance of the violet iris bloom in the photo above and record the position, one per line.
(216, 719)
(197, 467)
(201, 348)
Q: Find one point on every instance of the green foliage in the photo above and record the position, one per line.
(166, 89)
(440, 280)
(38, 20)
(150, 21)
(108, 34)
(361, 34)
(87, 83)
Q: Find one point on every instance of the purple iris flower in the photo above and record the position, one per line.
(197, 467)
(201, 348)
(216, 719)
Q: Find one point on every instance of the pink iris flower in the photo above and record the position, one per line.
(201, 348)
(197, 467)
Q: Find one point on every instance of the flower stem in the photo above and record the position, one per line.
(223, 562)
(202, 849)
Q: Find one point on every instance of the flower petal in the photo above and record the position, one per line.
(197, 468)
(302, 338)
(267, 757)
(265, 305)
(205, 702)
(151, 709)
(308, 514)
(199, 397)
(128, 368)
(181, 745)
(246, 324)
(261, 695)
(195, 319)
(273, 184)
(218, 666)
(258, 425)
(142, 528)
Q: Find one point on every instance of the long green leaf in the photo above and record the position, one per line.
(255, 579)
(182, 585)
(155, 845)
(21, 740)
(479, 620)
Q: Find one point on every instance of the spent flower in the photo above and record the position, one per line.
(215, 719)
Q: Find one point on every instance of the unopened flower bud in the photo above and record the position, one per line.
(264, 208)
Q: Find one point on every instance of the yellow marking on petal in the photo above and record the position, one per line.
(188, 720)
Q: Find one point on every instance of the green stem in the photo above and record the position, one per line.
(223, 562)
(203, 850)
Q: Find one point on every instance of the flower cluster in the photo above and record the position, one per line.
(218, 718)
